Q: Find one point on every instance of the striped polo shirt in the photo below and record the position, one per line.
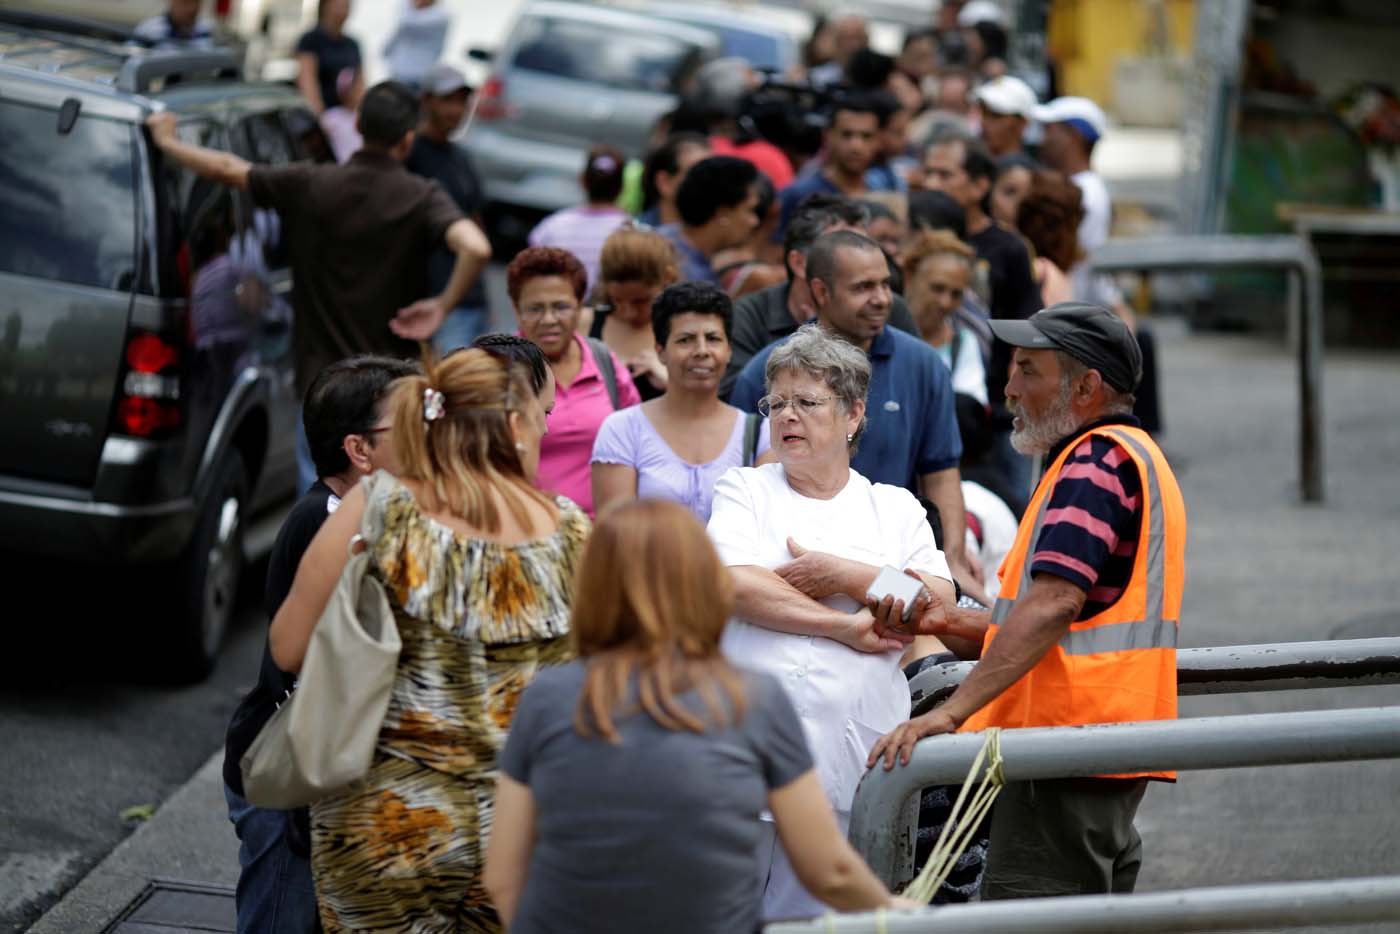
(1092, 522)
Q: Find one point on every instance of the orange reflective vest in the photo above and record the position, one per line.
(1120, 665)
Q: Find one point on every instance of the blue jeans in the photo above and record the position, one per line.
(461, 326)
(275, 892)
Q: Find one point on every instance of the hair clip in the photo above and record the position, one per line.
(434, 405)
(605, 163)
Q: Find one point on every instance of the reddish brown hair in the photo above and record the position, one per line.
(537, 262)
(651, 602)
(1049, 217)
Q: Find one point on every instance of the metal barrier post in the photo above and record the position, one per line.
(1115, 748)
(1194, 253)
(1273, 907)
(1231, 669)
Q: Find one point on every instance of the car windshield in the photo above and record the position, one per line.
(67, 200)
(595, 53)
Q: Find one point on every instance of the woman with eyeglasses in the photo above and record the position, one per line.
(805, 539)
(677, 446)
(547, 287)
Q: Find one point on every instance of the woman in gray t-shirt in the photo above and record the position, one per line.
(634, 779)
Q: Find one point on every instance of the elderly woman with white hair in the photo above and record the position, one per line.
(805, 539)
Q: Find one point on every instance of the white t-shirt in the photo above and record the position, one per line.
(1093, 233)
(969, 373)
(999, 527)
(846, 699)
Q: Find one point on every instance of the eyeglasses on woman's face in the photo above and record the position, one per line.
(539, 311)
(801, 403)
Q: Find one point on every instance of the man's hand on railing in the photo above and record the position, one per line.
(900, 741)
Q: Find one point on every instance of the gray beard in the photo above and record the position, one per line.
(1038, 437)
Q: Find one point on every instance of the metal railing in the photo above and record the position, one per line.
(1290, 253)
(882, 834)
(1275, 906)
(1232, 669)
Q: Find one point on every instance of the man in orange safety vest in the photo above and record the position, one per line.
(1084, 628)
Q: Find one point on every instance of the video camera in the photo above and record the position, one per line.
(791, 116)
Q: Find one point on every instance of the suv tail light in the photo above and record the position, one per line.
(491, 100)
(149, 401)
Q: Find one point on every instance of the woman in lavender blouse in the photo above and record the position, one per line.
(677, 446)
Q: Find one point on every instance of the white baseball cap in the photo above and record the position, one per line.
(1079, 112)
(981, 11)
(442, 80)
(1007, 95)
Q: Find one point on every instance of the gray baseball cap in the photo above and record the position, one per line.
(1091, 334)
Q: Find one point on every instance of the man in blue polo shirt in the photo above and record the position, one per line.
(912, 437)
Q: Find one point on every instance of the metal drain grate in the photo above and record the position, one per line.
(167, 906)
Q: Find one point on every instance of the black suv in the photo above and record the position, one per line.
(147, 408)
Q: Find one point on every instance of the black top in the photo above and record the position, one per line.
(644, 384)
(258, 705)
(451, 167)
(333, 56)
(358, 235)
(762, 317)
(1014, 294)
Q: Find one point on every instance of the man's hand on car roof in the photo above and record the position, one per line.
(162, 127)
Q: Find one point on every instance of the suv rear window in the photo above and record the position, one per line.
(592, 52)
(68, 201)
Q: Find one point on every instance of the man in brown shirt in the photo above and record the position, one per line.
(359, 235)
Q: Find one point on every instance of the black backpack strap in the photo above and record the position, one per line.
(752, 423)
(603, 357)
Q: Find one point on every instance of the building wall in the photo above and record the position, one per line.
(1088, 37)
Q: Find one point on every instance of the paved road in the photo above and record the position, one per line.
(1262, 567)
(84, 741)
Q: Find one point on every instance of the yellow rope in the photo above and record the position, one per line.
(957, 832)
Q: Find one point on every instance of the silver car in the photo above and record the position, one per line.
(571, 76)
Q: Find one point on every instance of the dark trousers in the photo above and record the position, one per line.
(1071, 836)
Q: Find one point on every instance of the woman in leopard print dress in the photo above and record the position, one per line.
(478, 567)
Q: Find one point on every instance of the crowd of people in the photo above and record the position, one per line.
(766, 375)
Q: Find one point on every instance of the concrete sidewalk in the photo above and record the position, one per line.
(189, 837)
(1261, 567)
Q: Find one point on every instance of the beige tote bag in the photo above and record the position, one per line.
(323, 737)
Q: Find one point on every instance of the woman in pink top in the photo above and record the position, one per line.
(582, 229)
(547, 285)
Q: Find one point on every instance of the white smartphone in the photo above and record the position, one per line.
(892, 582)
